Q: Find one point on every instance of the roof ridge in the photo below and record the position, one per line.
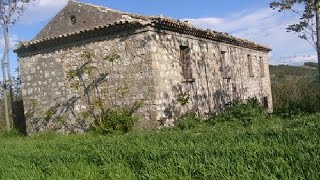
(102, 8)
(96, 6)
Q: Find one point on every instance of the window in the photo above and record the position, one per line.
(261, 66)
(185, 62)
(250, 67)
(73, 19)
(226, 73)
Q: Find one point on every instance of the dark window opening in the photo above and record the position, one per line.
(226, 69)
(73, 19)
(250, 67)
(265, 102)
(185, 62)
(261, 67)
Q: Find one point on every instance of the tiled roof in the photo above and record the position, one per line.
(143, 21)
(94, 32)
(185, 28)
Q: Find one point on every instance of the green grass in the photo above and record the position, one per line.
(270, 148)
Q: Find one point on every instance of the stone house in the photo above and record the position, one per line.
(169, 65)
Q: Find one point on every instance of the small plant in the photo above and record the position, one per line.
(122, 91)
(50, 113)
(85, 115)
(98, 103)
(89, 69)
(87, 54)
(71, 74)
(75, 85)
(60, 119)
(183, 98)
(112, 57)
(33, 104)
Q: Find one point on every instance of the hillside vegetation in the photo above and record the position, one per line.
(295, 89)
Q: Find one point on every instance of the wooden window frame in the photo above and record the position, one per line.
(186, 64)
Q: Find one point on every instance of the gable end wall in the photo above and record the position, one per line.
(87, 16)
(52, 104)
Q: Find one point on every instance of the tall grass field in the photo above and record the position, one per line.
(267, 148)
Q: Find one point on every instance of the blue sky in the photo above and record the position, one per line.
(249, 19)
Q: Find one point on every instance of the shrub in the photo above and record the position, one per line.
(120, 120)
(188, 121)
(115, 121)
(243, 112)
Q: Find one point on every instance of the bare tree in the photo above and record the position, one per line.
(10, 12)
(308, 26)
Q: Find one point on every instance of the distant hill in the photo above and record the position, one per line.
(311, 64)
(287, 72)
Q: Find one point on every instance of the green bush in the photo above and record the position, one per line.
(115, 121)
(243, 112)
(188, 121)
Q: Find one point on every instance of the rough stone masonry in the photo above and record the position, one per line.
(171, 66)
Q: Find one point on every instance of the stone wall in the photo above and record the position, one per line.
(53, 103)
(209, 90)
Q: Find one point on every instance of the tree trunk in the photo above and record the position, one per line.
(5, 94)
(317, 11)
(9, 86)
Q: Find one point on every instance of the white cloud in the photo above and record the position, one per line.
(267, 27)
(43, 10)
(296, 59)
